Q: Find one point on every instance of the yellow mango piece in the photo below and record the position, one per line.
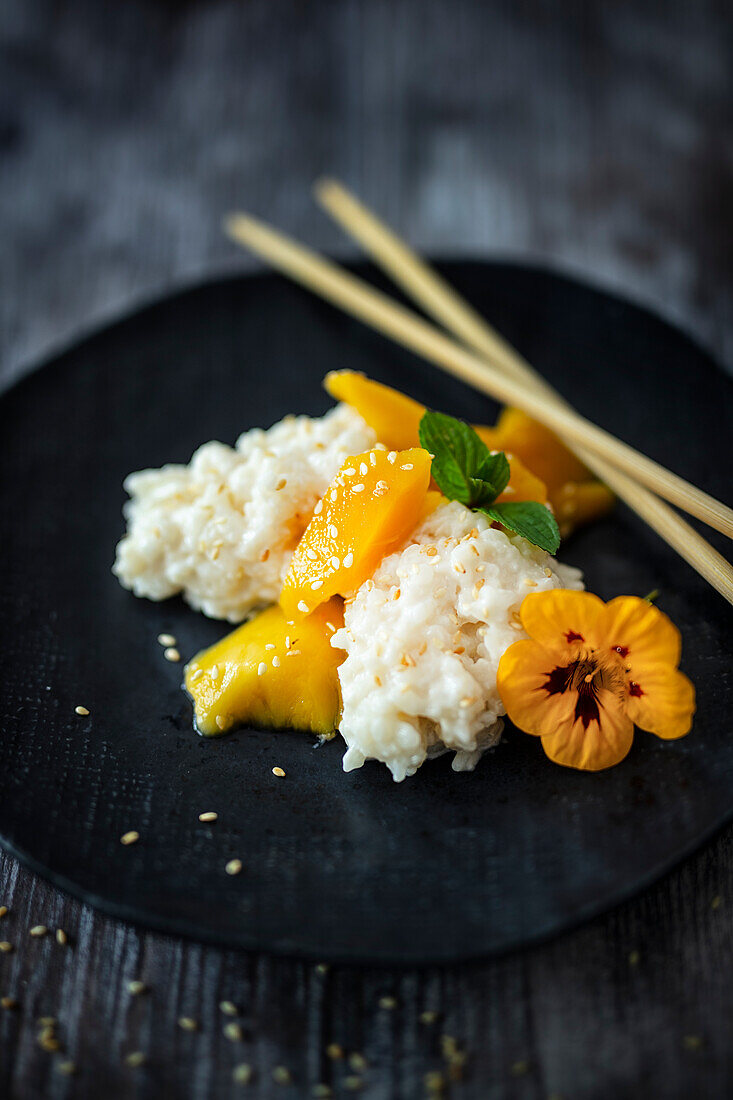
(393, 416)
(579, 502)
(369, 509)
(272, 673)
(396, 420)
(541, 465)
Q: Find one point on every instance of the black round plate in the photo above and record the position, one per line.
(351, 867)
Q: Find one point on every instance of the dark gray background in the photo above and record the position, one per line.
(593, 136)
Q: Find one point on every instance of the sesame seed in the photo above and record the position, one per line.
(303, 606)
(391, 457)
(318, 508)
(407, 466)
(208, 815)
(171, 654)
(363, 469)
(228, 1008)
(8, 1002)
(548, 571)
(357, 488)
(278, 772)
(281, 1075)
(214, 672)
(187, 1023)
(197, 675)
(381, 488)
(233, 1032)
(349, 471)
(315, 585)
(467, 702)
(131, 837)
(322, 968)
(330, 626)
(459, 567)
(428, 1017)
(261, 668)
(275, 661)
(333, 531)
(334, 1052)
(67, 1069)
(333, 494)
(530, 583)
(311, 554)
(358, 1062)
(39, 930)
(166, 639)
(348, 560)
(61, 938)
(136, 987)
(281, 484)
(372, 458)
(265, 554)
(220, 723)
(233, 867)
(334, 562)
(293, 653)
(242, 1074)
(82, 711)
(135, 1058)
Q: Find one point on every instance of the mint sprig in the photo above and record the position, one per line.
(466, 470)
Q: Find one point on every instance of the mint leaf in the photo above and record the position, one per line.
(531, 520)
(466, 470)
(463, 466)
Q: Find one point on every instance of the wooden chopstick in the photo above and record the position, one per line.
(439, 298)
(382, 313)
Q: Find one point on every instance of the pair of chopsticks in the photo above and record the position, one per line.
(490, 364)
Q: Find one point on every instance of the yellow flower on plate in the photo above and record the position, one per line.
(590, 671)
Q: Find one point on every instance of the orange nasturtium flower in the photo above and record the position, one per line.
(589, 672)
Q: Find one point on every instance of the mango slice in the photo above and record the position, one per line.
(534, 452)
(369, 509)
(396, 420)
(393, 416)
(270, 673)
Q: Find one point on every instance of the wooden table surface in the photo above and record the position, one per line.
(599, 141)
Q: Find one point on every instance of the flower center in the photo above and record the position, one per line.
(587, 676)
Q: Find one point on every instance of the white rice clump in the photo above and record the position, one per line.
(222, 529)
(424, 638)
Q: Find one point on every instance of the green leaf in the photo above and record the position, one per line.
(467, 471)
(463, 464)
(529, 519)
(494, 468)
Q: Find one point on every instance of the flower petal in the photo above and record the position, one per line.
(522, 678)
(559, 618)
(599, 745)
(640, 633)
(666, 703)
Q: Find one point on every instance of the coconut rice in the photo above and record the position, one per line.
(221, 530)
(423, 640)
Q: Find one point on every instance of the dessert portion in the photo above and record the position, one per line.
(384, 552)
